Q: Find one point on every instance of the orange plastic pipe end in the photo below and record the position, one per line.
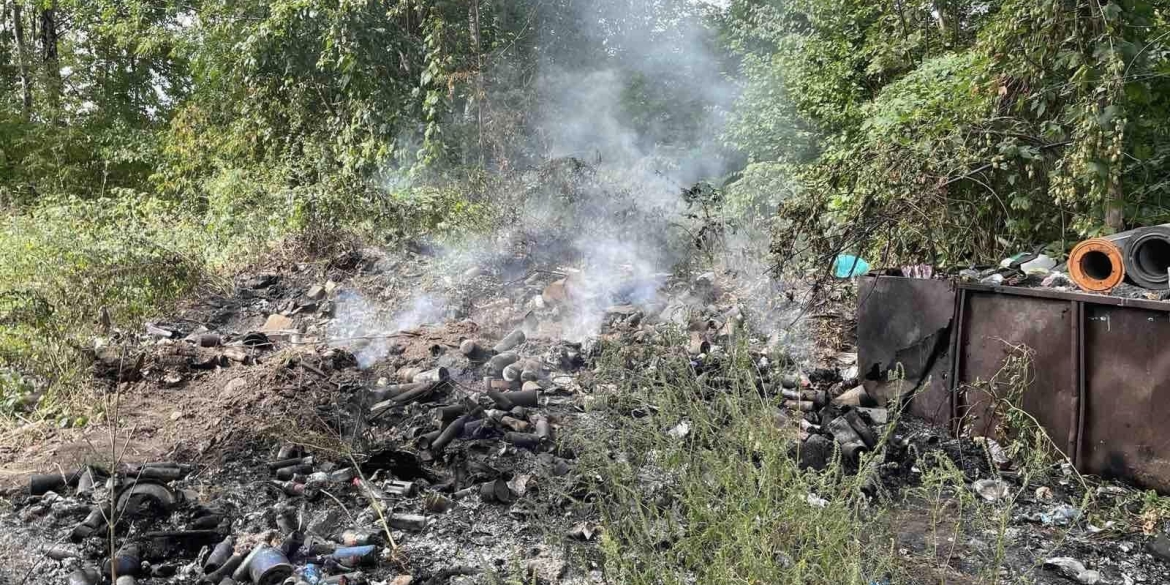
(1097, 265)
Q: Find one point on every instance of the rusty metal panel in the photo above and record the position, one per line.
(991, 324)
(907, 321)
(1101, 373)
(1127, 386)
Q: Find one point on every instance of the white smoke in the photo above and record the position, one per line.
(365, 328)
(633, 90)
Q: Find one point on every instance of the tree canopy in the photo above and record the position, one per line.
(947, 131)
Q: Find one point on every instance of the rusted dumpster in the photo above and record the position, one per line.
(1102, 364)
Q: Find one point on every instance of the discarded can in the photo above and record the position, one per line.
(412, 522)
(697, 344)
(219, 555)
(531, 386)
(867, 435)
(514, 424)
(356, 578)
(343, 475)
(424, 441)
(86, 481)
(47, 482)
(126, 580)
(289, 451)
(437, 504)
(125, 562)
(401, 488)
(510, 341)
(287, 473)
(472, 429)
(439, 374)
(497, 491)
(851, 444)
(291, 488)
(542, 428)
(470, 348)
(524, 440)
(269, 566)
(224, 571)
(500, 384)
(451, 412)
(292, 543)
(286, 520)
(497, 364)
(356, 538)
(355, 556)
(408, 374)
(60, 553)
(311, 574)
(294, 461)
(85, 576)
(512, 372)
(526, 398)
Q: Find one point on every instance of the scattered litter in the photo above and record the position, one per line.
(680, 430)
(846, 266)
(991, 489)
(816, 501)
(1073, 569)
(1060, 516)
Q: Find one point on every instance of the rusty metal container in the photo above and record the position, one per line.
(1101, 387)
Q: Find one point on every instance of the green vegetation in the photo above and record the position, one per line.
(726, 503)
(953, 132)
(148, 149)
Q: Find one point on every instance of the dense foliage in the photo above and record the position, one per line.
(955, 131)
(146, 145)
(162, 141)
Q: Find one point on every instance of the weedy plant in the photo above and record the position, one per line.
(724, 501)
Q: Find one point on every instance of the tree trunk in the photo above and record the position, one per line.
(22, 59)
(50, 59)
(1115, 207)
(480, 93)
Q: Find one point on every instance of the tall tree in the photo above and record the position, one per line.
(50, 56)
(21, 54)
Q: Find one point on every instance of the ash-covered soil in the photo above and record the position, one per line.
(304, 411)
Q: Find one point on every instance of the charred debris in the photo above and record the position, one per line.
(452, 456)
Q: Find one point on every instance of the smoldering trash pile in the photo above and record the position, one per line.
(321, 441)
(444, 459)
(416, 416)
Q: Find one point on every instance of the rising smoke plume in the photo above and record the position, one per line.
(631, 109)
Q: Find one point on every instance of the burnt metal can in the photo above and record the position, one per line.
(219, 555)
(85, 576)
(269, 566)
(516, 337)
(355, 556)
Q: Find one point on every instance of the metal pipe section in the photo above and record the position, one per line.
(1098, 264)
(1147, 257)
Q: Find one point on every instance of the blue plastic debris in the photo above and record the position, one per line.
(846, 266)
